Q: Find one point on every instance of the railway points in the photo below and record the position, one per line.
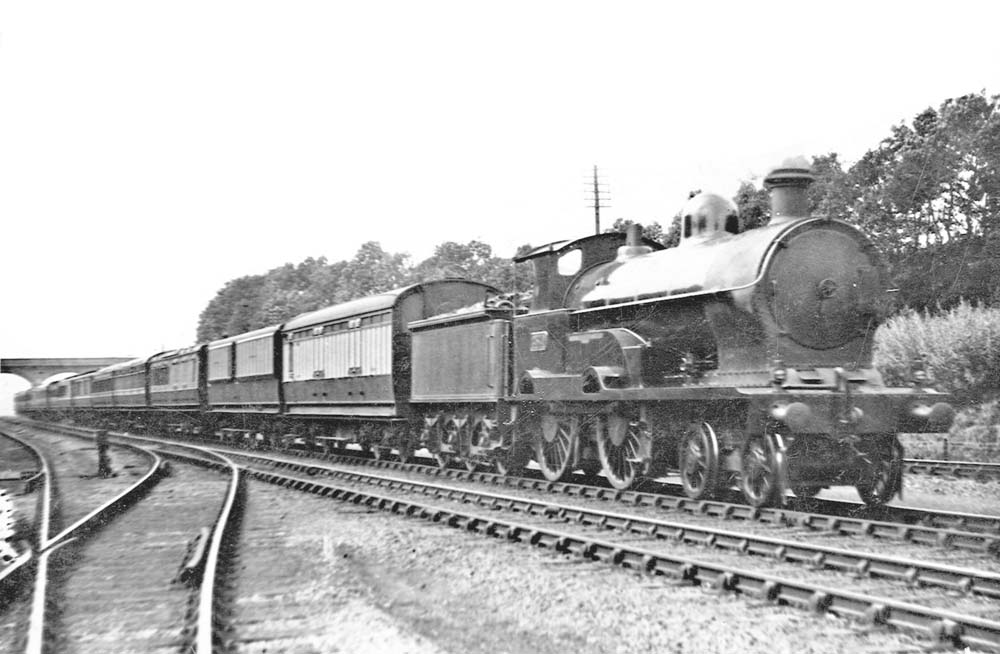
(108, 579)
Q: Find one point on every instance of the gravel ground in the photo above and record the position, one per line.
(395, 584)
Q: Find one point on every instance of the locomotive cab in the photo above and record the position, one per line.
(558, 265)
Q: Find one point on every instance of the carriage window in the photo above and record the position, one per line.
(161, 376)
(569, 263)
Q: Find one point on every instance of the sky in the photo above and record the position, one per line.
(151, 152)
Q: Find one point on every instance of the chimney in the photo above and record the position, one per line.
(787, 184)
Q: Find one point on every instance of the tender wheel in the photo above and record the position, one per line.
(884, 476)
(479, 439)
(760, 471)
(556, 445)
(404, 447)
(618, 449)
(482, 433)
(448, 434)
(698, 459)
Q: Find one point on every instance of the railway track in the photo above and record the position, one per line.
(705, 532)
(125, 576)
(267, 588)
(23, 472)
(892, 590)
(947, 528)
(944, 601)
(959, 529)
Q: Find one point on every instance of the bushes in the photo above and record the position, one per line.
(960, 348)
(961, 351)
(974, 434)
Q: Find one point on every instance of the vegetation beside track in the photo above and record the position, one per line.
(960, 349)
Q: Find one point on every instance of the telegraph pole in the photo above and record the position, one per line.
(600, 192)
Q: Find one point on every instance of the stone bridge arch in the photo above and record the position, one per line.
(38, 370)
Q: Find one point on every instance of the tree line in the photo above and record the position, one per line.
(254, 301)
(928, 195)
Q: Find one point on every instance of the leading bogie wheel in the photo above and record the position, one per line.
(698, 460)
(556, 445)
(883, 477)
(760, 470)
(618, 448)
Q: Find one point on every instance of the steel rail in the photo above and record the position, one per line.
(42, 517)
(44, 510)
(36, 622)
(944, 625)
(912, 572)
(961, 469)
(979, 523)
(208, 629)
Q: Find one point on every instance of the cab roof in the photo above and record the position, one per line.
(560, 246)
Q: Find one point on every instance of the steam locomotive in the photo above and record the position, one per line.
(738, 358)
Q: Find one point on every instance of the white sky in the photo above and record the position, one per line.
(151, 152)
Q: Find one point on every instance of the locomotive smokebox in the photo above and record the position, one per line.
(787, 184)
